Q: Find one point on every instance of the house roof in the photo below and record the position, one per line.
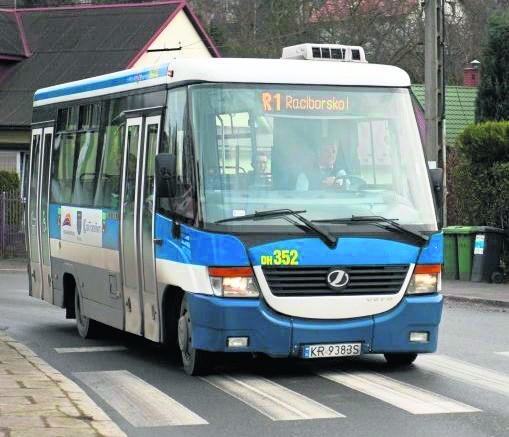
(10, 40)
(71, 43)
(459, 108)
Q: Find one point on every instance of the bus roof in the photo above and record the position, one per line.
(230, 70)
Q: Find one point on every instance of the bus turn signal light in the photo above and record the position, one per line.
(427, 278)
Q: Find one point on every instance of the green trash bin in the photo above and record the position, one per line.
(465, 236)
(450, 270)
(458, 252)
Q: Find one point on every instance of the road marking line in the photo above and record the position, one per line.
(466, 372)
(506, 354)
(68, 350)
(271, 399)
(140, 403)
(410, 398)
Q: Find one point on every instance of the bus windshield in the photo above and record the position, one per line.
(335, 152)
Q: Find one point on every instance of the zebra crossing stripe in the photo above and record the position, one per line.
(410, 398)
(506, 354)
(140, 403)
(271, 399)
(462, 371)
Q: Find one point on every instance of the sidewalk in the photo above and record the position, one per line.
(13, 265)
(481, 292)
(37, 400)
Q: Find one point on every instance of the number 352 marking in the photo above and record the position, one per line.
(281, 257)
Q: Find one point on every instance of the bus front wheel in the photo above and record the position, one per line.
(195, 361)
(400, 359)
(87, 328)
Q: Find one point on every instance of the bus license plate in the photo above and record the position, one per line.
(331, 350)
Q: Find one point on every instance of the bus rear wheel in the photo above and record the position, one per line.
(400, 359)
(87, 328)
(195, 361)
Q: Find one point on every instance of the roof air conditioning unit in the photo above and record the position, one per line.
(325, 52)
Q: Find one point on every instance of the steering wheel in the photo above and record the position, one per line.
(346, 182)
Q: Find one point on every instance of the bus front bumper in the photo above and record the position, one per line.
(216, 320)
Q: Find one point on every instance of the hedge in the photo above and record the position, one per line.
(478, 176)
(9, 181)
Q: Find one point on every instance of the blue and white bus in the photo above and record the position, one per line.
(281, 207)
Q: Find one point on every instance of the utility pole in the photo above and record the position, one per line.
(435, 88)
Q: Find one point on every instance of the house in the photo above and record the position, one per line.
(459, 104)
(40, 47)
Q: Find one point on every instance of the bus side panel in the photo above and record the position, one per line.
(96, 270)
(95, 285)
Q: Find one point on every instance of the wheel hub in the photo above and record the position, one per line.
(183, 334)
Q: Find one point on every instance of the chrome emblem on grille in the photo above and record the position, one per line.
(338, 279)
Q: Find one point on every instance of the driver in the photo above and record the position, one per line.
(323, 173)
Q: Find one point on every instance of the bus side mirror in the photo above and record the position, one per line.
(437, 175)
(165, 177)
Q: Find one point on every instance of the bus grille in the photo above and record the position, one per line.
(312, 281)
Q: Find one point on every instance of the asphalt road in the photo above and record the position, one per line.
(461, 391)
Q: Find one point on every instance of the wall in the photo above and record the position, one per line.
(180, 32)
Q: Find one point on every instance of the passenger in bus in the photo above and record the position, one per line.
(260, 176)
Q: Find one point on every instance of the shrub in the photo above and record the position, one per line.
(478, 176)
(9, 181)
(485, 143)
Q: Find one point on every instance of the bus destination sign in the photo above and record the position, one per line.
(289, 103)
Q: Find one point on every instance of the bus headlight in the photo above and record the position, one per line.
(426, 279)
(233, 282)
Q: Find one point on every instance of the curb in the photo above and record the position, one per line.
(484, 301)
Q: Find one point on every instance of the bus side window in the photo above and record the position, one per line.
(177, 140)
(85, 175)
(107, 194)
(62, 168)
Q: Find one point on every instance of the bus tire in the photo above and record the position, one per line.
(87, 328)
(400, 359)
(195, 361)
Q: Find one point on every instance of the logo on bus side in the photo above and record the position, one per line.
(338, 279)
(79, 217)
(82, 225)
(67, 220)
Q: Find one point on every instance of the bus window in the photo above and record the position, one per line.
(62, 168)
(85, 175)
(176, 140)
(335, 152)
(107, 194)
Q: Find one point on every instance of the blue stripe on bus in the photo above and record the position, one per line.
(205, 248)
(101, 82)
(111, 229)
(54, 221)
(433, 253)
(353, 251)
(198, 247)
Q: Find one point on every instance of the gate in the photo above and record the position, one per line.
(12, 225)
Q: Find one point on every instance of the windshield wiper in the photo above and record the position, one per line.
(287, 215)
(381, 222)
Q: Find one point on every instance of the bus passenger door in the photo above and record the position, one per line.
(32, 218)
(42, 213)
(149, 282)
(128, 227)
